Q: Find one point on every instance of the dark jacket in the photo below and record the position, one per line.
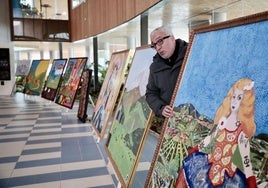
(163, 77)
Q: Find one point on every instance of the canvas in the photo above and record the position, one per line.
(22, 70)
(23, 67)
(131, 124)
(109, 92)
(218, 135)
(70, 81)
(35, 79)
(51, 86)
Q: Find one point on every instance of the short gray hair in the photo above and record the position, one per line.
(164, 29)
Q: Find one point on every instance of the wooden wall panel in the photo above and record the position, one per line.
(95, 17)
(142, 5)
(76, 21)
(112, 16)
(85, 28)
(130, 9)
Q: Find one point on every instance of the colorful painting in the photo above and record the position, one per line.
(131, 124)
(22, 70)
(23, 67)
(70, 81)
(35, 79)
(109, 92)
(84, 95)
(53, 80)
(218, 136)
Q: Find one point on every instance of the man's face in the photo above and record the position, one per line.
(163, 43)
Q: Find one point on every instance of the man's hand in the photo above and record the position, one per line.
(167, 111)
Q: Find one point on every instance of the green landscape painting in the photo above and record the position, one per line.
(130, 127)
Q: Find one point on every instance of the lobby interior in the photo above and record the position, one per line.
(45, 145)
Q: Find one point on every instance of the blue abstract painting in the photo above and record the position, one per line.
(217, 60)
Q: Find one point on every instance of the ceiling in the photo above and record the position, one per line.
(180, 15)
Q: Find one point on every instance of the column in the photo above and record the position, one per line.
(131, 42)
(60, 50)
(144, 29)
(71, 52)
(96, 63)
(218, 17)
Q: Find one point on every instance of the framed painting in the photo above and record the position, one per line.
(23, 67)
(218, 136)
(133, 115)
(109, 92)
(66, 94)
(22, 70)
(52, 83)
(84, 95)
(35, 79)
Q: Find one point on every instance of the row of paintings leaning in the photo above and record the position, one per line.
(60, 85)
(218, 136)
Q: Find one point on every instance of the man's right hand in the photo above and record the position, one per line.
(168, 111)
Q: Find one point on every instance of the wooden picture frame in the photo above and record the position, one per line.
(84, 95)
(132, 119)
(109, 92)
(218, 58)
(53, 79)
(36, 77)
(66, 95)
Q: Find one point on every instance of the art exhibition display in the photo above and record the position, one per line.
(36, 77)
(84, 94)
(53, 80)
(109, 92)
(218, 136)
(132, 119)
(66, 94)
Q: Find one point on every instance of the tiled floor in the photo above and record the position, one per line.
(44, 145)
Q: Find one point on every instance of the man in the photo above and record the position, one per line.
(164, 70)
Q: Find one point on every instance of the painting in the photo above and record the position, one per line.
(35, 79)
(23, 67)
(53, 80)
(66, 95)
(132, 118)
(109, 92)
(218, 136)
(22, 70)
(84, 95)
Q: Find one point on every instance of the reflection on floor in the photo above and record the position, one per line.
(44, 145)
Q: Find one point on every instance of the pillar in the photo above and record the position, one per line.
(218, 17)
(144, 29)
(96, 63)
(131, 42)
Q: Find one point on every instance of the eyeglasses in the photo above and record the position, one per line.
(159, 42)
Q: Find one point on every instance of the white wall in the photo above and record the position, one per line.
(5, 42)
